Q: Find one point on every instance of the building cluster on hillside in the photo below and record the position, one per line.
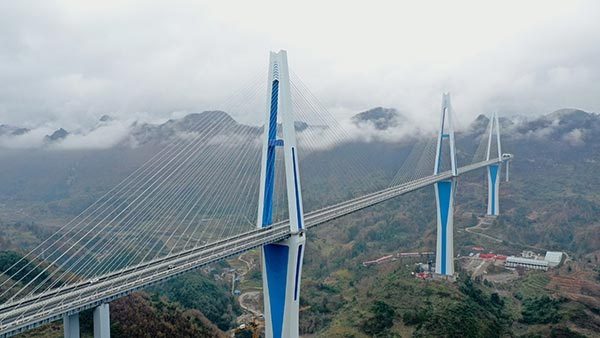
(533, 261)
(492, 257)
(528, 259)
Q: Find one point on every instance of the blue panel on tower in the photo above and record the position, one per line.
(276, 263)
(273, 110)
(270, 169)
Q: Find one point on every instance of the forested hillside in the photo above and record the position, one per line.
(551, 203)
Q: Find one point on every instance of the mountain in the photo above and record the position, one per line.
(6, 129)
(557, 125)
(146, 133)
(479, 125)
(571, 114)
(560, 138)
(380, 118)
(551, 203)
(57, 135)
(106, 118)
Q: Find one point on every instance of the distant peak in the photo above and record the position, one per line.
(106, 118)
(213, 115)
(381, 118)
(565, 112)
(57, 135)
(482, 117)
(479, 124)
(6, 129)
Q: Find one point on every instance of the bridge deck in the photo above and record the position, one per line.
(25, 314)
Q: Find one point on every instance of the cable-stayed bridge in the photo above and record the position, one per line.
(127, 241)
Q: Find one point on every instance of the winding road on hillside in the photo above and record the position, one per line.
(249, 301)
(499, 240)
(478, 226)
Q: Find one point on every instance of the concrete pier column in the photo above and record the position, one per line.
(102, 321)
(71, 325)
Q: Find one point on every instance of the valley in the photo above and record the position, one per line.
(549, 204)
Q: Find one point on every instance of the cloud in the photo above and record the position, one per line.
(32, 139)
(575, 137)
(105, 136)
(70, 62)
(368, 132)
(544, 132)
(229, 140)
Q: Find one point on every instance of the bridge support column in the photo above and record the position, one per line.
(444, 197)
(71, 326)
(282, 269)
(444, 193)
(102, 321)
(493, 205)
(282, 261)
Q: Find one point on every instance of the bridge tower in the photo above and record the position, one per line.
(282, 261)
(493, 172)
(444, 192)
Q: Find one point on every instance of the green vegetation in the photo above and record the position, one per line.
(541, 310)
(382, 319)
(196, 291)
(21, 236)
(564, 332)
(141, 315)
(14, 264)
(397, 304)
(532, 285)
(475, 313)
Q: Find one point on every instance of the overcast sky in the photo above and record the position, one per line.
(69, 62)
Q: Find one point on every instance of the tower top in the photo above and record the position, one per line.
(494, 126)
(446, 136)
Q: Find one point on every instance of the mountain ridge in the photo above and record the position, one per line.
(379, 119)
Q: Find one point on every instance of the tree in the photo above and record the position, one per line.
(540, 310)
(382, 319)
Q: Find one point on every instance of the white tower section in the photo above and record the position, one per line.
(494, 126)
(493, 172)
(446, 132)
(282, 261)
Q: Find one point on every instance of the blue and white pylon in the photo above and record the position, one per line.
(493, 172)
(444, 193)
(282, 261)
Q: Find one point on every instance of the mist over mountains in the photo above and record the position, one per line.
(68, 163)
(378, 124)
